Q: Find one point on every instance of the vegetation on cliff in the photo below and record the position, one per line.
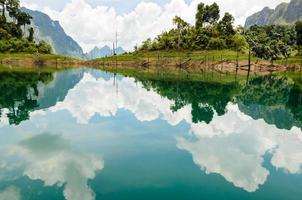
(13, 37)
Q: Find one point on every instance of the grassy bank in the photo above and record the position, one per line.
(10, 56)
(210, 56)
(176, 54)
(31, 60)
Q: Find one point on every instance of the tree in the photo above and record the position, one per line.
(146, 44)
(31, 34)
(239, 42)
(217, 43)
(13, 8)
(199, 16)
(207, 14)
(211, 13)
(44, 47)
(271, 42)
(181, 27)
(3, 3)
(225, 26)
(298, 28)
(23, 19)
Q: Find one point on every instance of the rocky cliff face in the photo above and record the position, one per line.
(52, 32)
(285, 13)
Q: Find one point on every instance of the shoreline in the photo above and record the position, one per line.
(151, 63)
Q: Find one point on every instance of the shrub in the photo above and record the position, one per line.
(4, 35)
(217, 43)
(44, 47)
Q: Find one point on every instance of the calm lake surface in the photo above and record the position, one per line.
(85, 134)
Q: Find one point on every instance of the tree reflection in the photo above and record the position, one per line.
(276, 99)
(206, 98)
(20, 92)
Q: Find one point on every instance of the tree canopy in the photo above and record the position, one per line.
(12, 38)
(212, 33)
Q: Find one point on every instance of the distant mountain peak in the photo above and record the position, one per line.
(102, 52)
(106, 47)
(284, 13)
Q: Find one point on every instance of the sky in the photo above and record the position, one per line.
(94, 22)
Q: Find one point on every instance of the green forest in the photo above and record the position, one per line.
(213, 32)
(13, 25)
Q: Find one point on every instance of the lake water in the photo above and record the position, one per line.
(85, 134)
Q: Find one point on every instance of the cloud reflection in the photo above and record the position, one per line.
(10, 193)
(50, 158)
(98, 96)
(232, 145)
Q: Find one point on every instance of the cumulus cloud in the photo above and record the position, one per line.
(10, 193)
(49, 158)
(96, 26)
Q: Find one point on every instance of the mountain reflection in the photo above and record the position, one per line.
(51, 159)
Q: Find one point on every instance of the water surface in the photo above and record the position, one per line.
(85, 134)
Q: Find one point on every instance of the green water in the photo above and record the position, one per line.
(85, 134)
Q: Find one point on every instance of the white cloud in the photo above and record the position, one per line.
(96, 26)
(49, 158)
(10, 193)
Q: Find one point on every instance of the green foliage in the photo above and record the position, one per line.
(11, 35)
(298, 28)
(13, 8)
(267, 42)
(271, 42)
(4, 35)
(14, 45)
(206, 98)
(208, 14)
(18, 99)
(43, 47)
(23, 19)
(3, 4)
(240, 43)
(211, 13)
(225, 26)
(276, 99)
(206, 34)
(217, 43)
(199, 16)
(31, 34)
